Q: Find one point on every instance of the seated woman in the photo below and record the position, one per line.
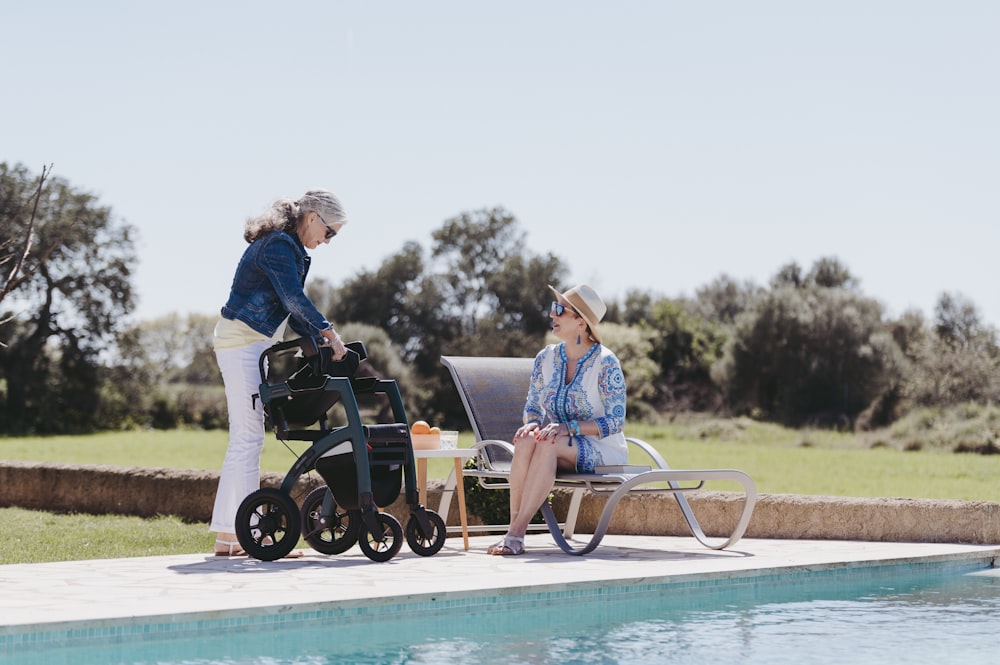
(574, 415)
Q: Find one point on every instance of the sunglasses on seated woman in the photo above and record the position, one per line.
(559, 309)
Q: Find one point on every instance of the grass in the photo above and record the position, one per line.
(32, 536)
(172, 449)
(912, 459)
(788, 461)
(175, 449)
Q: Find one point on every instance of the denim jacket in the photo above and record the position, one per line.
(268, 285)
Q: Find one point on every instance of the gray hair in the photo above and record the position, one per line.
(325, 203)
(284, 214)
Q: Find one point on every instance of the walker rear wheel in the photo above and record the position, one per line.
(392, 539)
(268, 524)
(332, 534)
(427, 544)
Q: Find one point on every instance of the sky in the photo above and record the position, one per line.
(650, 145)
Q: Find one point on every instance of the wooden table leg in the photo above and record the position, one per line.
(460, 487)
(422, 480)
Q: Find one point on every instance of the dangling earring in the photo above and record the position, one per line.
(578, 340)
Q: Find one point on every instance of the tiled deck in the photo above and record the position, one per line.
(67, 595)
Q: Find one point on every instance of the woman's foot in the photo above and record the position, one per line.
(226, 547)
(509, 546)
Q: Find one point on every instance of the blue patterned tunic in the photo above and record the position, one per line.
(597, 392)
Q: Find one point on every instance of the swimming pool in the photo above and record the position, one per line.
(912, 613)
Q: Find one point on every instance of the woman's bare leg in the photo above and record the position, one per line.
(539, 478)
(524, 451)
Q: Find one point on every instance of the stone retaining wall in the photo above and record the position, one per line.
(190, 495)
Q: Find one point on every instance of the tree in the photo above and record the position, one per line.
(827, 272)
(494, 286)
(810, 353)
(475, 245)
(478, 292)
(957, 323)
(399, 297)
(957, 360)
(789, 275)
(636, 307)
(830, 273)
(69, 308)
(17, 260)
(178, 349)
(481, 291)
(633, 346)
(378, 298)
(685, 345)
(724, 299)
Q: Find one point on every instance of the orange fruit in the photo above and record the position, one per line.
(420, 427)
(435, 430)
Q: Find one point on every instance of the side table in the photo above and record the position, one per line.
(459, 455)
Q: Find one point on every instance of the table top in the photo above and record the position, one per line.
(446, 452)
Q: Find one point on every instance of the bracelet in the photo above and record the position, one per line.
(575, 426)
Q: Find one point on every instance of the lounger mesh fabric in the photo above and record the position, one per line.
(494, 391)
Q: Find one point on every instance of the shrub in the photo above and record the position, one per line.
(809, 355)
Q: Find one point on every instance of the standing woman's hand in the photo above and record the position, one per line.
(337, 346)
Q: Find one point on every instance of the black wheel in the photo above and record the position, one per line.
(426, 544)
(333, 534)
(268, 524)
(392, 539)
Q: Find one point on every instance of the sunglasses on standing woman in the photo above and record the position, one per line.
(330, 231)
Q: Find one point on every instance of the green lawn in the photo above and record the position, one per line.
(173, 449)
(785, 461)
(32, 536)
(781, 460)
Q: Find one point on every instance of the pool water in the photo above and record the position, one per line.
(890, 614)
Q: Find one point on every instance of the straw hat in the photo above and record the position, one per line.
(585, 302)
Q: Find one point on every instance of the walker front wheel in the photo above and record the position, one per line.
(426, 544)
(268, 524)
(391, 543)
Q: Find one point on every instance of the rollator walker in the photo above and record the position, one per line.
(362, 465)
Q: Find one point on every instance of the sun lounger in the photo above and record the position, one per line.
(493, 391)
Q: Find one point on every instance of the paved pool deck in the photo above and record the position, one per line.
(54, 597)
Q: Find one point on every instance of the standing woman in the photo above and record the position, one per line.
(574, 415)
(267, 291)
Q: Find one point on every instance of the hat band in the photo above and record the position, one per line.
(580, 306)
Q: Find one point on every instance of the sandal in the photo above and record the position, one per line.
(233, 548)
(509, 546)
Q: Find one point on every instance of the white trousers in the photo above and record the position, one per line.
(241, 468)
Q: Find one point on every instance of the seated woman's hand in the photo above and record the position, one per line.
(526, 431)
(551, 432)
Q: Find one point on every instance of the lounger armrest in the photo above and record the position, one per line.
(494, 455)
(650, 451)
